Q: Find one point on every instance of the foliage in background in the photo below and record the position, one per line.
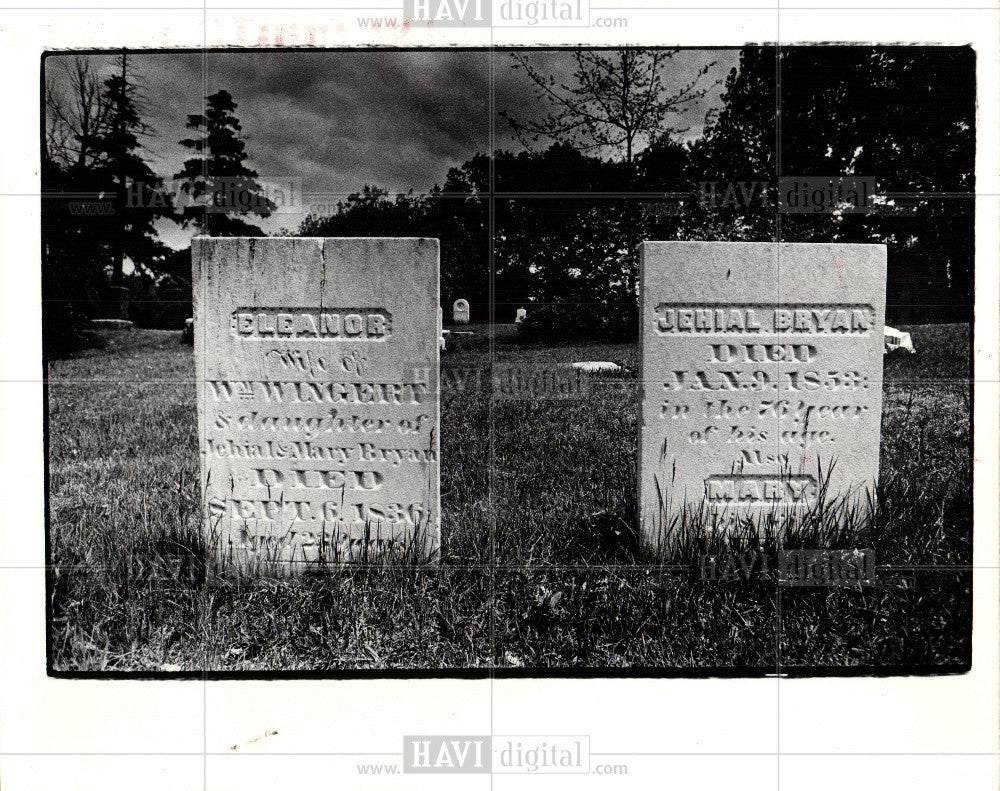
(217, 171)
(101, 198)
(900, 116)
(619, 103)
(102, 201)
(903, 117)
(561, 231)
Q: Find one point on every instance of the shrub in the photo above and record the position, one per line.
(65, 330)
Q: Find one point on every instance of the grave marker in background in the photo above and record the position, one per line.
(761, 376)
(317, 371)
(460, 311)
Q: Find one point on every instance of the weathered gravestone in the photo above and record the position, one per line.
(460, 311)
(762, 382)
(317, 370)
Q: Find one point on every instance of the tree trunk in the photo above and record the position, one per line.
(120, 292)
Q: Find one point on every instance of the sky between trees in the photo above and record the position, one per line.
(340, 120)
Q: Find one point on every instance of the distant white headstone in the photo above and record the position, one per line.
(317, 371)
(522, 314)
(897, 339)
(460, 311)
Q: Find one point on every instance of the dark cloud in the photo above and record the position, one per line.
(339, 120)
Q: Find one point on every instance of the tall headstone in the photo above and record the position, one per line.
(460, 311)
(762, 381)
(318, 413)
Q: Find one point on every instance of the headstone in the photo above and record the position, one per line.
(762, 380)
(897, 339)
(318, 414)
(522, 314)
(460, 311)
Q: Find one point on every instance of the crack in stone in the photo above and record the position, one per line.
(322, 282)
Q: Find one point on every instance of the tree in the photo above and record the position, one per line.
(223, 191)
(102, 200)
(75, 117)
(74, 243)
(457, 214)
(619, 102)
(572, 252)
(139, 198)
(731, 168)
(569, 251)
(902, 117)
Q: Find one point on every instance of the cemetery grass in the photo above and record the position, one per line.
(540, 568)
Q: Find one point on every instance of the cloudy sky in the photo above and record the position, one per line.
(339, 120)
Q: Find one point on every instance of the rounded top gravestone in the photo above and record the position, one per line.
(460, 311)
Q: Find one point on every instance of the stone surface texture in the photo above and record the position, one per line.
(761, 382)
(318, 412)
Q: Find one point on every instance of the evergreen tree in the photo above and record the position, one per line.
(123, 172)
(223, 191)
(74, 242)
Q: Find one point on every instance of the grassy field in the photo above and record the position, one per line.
(540, 569)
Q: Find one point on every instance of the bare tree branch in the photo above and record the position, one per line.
(76, 116)
(620, 101)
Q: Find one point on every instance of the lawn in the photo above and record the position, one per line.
(540, 567)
